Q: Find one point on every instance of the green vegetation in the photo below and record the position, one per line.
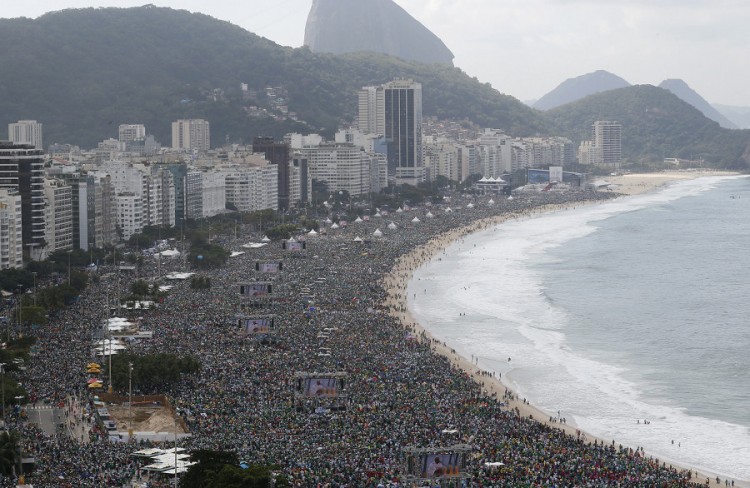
(200, 283)
(655, 125)
(152, 373)
(195, 66)
(185, 57)
(206, 255)
(9, 452)
(221, 469)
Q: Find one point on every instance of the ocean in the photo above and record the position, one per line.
(612, 314)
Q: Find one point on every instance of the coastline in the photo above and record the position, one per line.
(396, 282)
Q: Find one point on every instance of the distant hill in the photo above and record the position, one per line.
(580, 87)
(656, 124)
(380, 26)
(739, 116)
(687, 94)
(83, 72)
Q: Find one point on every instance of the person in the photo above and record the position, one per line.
(435, 468)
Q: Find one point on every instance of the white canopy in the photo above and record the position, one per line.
(415, 220)
(378, 214)
(448, 210)
(429, 215)
(378, 233)
(236, 253)
(328, 220)
(491, 202)
(392, 226)
(265, 239)
(358, 220)
(178, 276)
(510, 197)
(170, 253)
(399, 210)
(470, 205)
(335, 226)
(312, 233)
(357, 239)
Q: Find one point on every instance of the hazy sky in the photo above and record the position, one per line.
(525, 48)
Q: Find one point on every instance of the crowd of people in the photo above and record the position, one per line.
(332, 315)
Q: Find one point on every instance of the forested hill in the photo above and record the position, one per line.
(83, 72)
(656, 124)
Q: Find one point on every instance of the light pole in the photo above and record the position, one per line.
(34, 273)
(175, 448)
(2, 371)
(130, 400)
(69, 252)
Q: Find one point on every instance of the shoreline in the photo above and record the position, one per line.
(396, 282)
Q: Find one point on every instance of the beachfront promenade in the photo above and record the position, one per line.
(401, 392)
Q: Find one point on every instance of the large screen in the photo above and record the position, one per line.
(293, 245)
(435, 465)
(268, 267)
(256, 325)
(318, 387)
(256, 289)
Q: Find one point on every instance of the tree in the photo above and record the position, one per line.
(139, 288)
(9, 452)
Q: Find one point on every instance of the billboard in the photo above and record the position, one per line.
(432, 464)
(320, 385)
(256, 289)
(268, 266)
(292, 245)
(256, 325)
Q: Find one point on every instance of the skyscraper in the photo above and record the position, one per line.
(26, 132)
(397, 115)
(606, 146)
(276, 153)
(22, 170)
(191, 134)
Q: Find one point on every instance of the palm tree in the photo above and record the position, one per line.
(9, 454)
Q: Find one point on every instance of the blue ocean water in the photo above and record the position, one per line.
(614, 313)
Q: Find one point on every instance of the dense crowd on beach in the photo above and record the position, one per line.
(332, 314)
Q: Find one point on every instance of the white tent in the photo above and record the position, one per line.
(399, 210)
(378, 233)
(491, 202)
(470, 205)
(265, 239)
(335, 226)
(448, 210)
(328, 221)
(415, 220)
(378, 214)
(358, 239)
(392, 226)
(358, 220)
(510, 197)
(236, 253)
(429, 215)
(312, 233)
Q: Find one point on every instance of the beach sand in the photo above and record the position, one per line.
(395, 283)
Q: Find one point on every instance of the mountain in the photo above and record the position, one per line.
(739, 116)
(580, 87)
(82, 72)
(656, 124)
(380, 26)
(683, 91)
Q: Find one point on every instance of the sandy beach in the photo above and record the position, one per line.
(396, 285)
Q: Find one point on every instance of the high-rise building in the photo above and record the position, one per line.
(26, 132)
(342, 166)
(398, 116)
(97, 218)
(276, 153)
(131, 132)
(191, 135)
(606, 144)
(22, 171)
(11, 244)
(58, 199)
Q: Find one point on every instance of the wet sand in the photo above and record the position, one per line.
(396, 282)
